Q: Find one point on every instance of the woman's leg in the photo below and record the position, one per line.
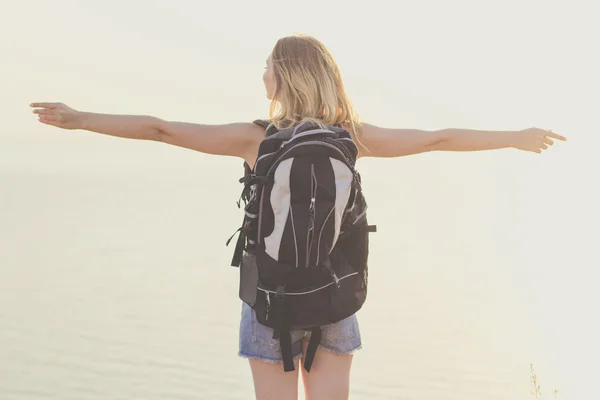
(257, 344)
(272, 383)
(329, 376)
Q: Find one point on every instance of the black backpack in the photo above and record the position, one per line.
(303, 245)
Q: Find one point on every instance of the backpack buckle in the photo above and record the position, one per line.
(280, 293)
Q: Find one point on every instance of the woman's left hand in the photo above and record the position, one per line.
(535, 139)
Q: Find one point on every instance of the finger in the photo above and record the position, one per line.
(43, 111)
(44, 105)
(549, 142)
(543, 146)
(556, 136)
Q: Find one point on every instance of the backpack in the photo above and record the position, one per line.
(303, 245)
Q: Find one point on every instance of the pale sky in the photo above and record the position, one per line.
(407, 64)
(426, 64)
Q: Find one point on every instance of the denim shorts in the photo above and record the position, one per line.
(256, 340)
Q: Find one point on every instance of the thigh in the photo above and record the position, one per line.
(258, 345)
(329, 376)
(272, 383)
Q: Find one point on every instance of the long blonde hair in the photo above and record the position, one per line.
(309, 86)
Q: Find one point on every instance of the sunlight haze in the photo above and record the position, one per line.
(114, 277)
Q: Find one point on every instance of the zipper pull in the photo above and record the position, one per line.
(336, 280)
(327, 264)
(311, 215)
(268, 300)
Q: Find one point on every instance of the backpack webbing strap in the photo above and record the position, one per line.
(311, 350)
(285, 341)
(239, 247)
(371, 228)
(279, 312)
(363, 228)
(280, 331)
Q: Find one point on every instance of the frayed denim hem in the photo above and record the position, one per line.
(265, 359)
(341, 353)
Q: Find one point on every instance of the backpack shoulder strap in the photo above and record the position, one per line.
(261, 122)
(265, 123)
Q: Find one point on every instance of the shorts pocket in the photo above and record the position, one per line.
(340, 331)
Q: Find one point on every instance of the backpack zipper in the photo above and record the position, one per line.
(345, 151)
(311, 227)
(306, 133)
(310, 291)
(319, 143)
(311, 213)
(321, 232)
(260, 208)
(294, 232)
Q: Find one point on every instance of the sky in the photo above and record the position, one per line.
(497, 65)
(427, 64)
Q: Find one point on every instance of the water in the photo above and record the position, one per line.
(114, 278)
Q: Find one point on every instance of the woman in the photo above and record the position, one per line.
(303, 82)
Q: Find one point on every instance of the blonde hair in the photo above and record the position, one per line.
(309, 86)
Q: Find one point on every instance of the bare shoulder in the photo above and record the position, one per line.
(370, 138)
(255, 134)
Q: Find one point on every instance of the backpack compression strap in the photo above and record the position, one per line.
(311, 350)
(285, 339)
(285, 342)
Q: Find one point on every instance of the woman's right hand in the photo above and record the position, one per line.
(59, 115)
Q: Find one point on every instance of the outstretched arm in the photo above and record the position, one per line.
(236, 139)
(385, 142)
